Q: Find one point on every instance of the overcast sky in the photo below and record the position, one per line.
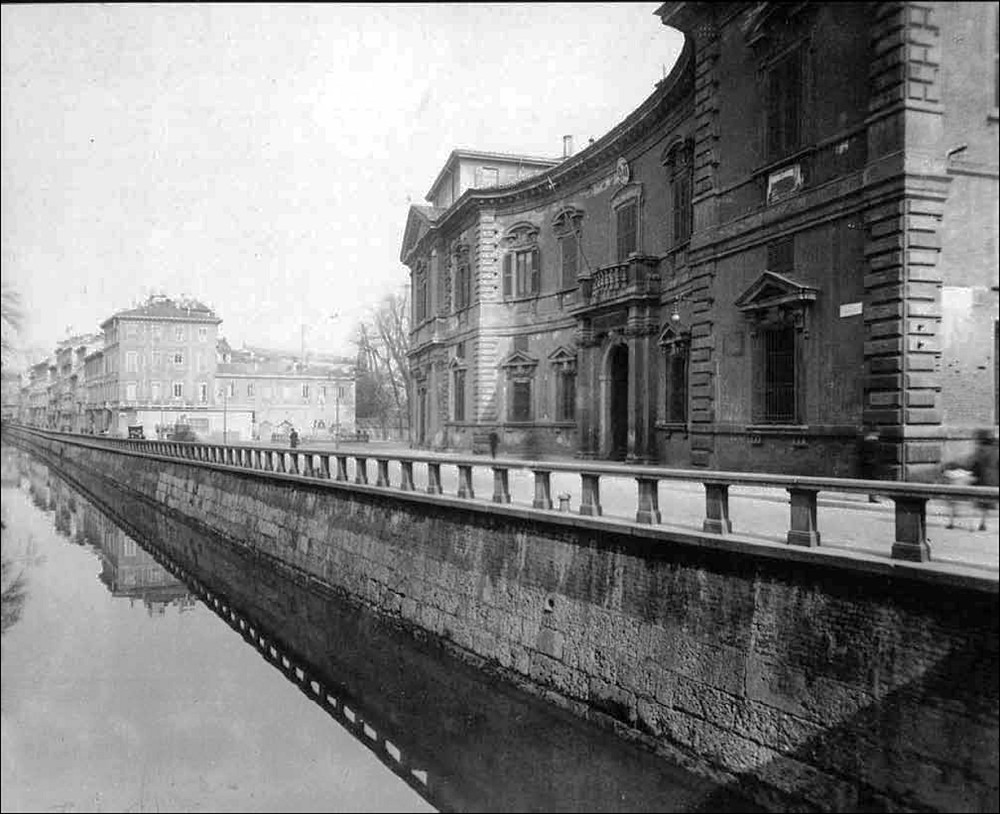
(262, 157)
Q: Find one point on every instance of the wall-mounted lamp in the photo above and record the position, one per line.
(675, 315)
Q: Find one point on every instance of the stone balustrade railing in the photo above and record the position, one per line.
(910, 499)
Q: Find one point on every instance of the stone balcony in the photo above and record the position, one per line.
(635, 278)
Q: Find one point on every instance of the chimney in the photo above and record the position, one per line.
(567, 146)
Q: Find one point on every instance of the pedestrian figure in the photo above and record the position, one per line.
(293, 438)
(984, 470)
(494, 440)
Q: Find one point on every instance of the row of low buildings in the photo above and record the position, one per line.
(791, 243)
(163, 363)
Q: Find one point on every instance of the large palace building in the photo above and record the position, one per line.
(792, 242)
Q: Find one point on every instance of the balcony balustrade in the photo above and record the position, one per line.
(635, 278)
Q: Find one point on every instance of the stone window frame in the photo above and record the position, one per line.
(520, 368)
(461, 277)
(458, 370)
(420, 310)
(678, 160)
(777, 302)
(567, 222)
(628, 195)
(563, 364)
(520, 239)
(675, 343)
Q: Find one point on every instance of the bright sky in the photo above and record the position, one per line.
(262, 157)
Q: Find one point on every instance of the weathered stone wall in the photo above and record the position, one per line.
(815, 682)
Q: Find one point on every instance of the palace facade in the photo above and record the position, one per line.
(792, 241)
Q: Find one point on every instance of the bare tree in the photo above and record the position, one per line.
(11, 319)
(383, 341)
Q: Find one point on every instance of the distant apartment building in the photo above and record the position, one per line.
(317, 399)
(157, 369)
(10, 400)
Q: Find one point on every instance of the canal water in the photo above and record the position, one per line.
(149, 666)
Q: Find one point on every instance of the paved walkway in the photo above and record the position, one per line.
(845, 520)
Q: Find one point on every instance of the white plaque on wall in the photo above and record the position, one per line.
(850, 309)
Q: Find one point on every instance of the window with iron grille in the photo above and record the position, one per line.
(566, 395)
(781, 255)
(520, 401)
(420, 295)
(676, 395)
(459, 395)
(776, 394)
(784, 103)
(627, 230)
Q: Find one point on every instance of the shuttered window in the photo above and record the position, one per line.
(626, 218)
(459, 407)
(566, 395)
(522, 273)
(677, 385)
(570, 252)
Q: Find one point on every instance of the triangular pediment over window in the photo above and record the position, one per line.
(519, 363)
(563, 357)
(772, 289)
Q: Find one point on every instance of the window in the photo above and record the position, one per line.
(203, 392)
(784, 101)
(521, 273)
(305, 391)
(131, 362)
(681, 167)
(569, 250)
(341, 392)
(157, 331)
(520, 402)
(463, 285)
(202, 333)
(676, 349)
(200, 362)
(420, 293)
(566, 395)
(178, 359)
(459, 395)
(487, 177)
(155, 392)
(131, 330)
(250, 389)
(130, 391)
(179, 333)
(627, 230)
(157, 359)
(781, 255)
(776, 391)
(178, 390)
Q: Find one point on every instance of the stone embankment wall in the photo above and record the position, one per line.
(813, 682)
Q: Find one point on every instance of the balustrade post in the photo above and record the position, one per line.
(406, 476)
(911, 529)
(465, 481)
(543, 489)
(279, 461)
(717, 509)
(433, 478)
(382, 466)
(648, 510)
(324, 466)
(803, 529)
(360, 470)
(590, 494)
(501, 485)
(342, 467)
(293, 463)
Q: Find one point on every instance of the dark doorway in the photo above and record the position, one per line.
(618, 364)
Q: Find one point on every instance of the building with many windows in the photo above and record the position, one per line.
(792, 240)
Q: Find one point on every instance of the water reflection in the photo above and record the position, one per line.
(462, 740)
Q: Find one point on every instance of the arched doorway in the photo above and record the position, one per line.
(617, 377)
